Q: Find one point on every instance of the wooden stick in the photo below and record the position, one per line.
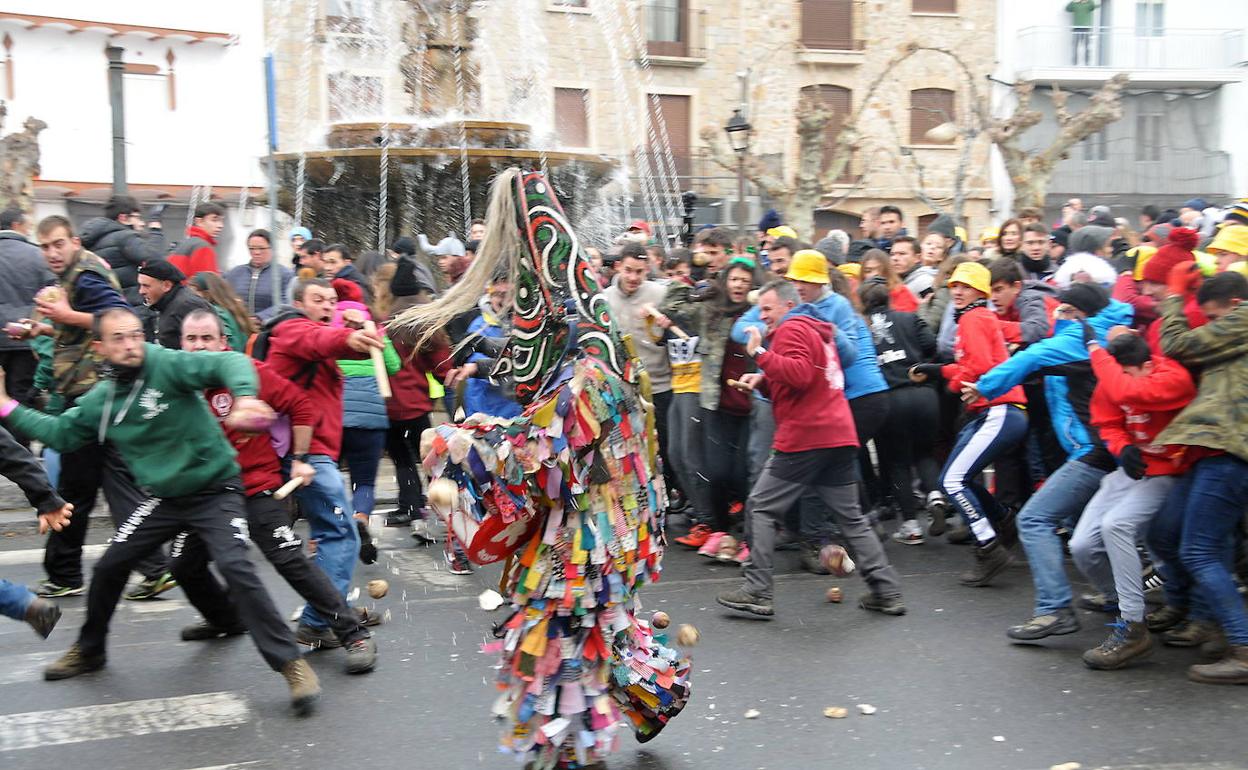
(653, 313)
(287, 488)
(379, 364)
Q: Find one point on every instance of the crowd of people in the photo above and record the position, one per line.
(1079, 387)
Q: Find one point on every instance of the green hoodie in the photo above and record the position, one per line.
(159, 422)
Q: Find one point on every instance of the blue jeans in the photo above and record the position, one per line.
(992, 432)
(361, 448)
(1060, 500)
(1165, 540)
(1215, 507)
(332, 526)
(14, 600)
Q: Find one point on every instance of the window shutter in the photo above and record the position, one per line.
(572, 127)
(839, 101)
(929, 107)
(828, 24)
(935, 6)
(675, 111)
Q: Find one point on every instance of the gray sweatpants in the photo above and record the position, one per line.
(1103, 544)
(773, 496)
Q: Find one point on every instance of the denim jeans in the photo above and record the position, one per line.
(361, 449)
(1061, 498)
(993, 431)
(1215, 507)
(332, 526)
(1165, 539)
(14, 600)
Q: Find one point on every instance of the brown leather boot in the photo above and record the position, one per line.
(305, 688)
(1233, 669)
(1127, 643)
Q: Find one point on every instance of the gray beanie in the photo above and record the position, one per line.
(1089, 238)
(833, 249)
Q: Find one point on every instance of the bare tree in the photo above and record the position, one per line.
(19, 163)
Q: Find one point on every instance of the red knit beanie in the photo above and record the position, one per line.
(1178, 249)
(349, 291)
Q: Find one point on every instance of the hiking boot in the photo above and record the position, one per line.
(888, 605)
(1165, 618)
(811, 562)
(51, 590)
(989, 561)
(1215, 647)
(457, 563)
(204, 631)
(398, 518)
(1062, 621)
(368, 549)
(316, 638)
(910, 533)
(305, 688)
(1006, 528)
(1127, 643)
(744, 601)
(152, 587)
(368, 617)
(361, 655)
(1232, 669)
(1098, 602)
(1193, 633)
(42, 615)
(938, 509)
(697, 536)
(73, 663)
(959, 534)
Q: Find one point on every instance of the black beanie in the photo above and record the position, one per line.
(1088, 297)
(403, 245)
(404, 283)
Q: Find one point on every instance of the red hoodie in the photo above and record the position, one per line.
(262, 469)
(803, 378)
(301, 345)
(201, 259)
(1133, 410)
(979, 346)
(411, 385)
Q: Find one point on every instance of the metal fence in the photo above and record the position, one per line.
(1119, 48)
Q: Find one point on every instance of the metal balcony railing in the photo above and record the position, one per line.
(674, 28)
(1121, 48)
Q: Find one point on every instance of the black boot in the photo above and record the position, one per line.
(989, 560)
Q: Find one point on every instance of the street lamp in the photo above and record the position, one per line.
(738, 130)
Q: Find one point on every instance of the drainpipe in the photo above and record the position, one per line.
(116, 100)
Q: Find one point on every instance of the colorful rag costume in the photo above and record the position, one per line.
(568, 493)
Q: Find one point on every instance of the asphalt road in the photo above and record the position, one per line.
(950, 691)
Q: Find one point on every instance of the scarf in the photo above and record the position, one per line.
(958, 313)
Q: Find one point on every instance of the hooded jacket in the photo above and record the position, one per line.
(806, 385)
(196, 254)
(123, 248)
(1030, 318)
(1134, 410)
(480, 393)
(1068, 383)
(978, 347)
(626, 314)
(411, 382)
(25, 273)
(902, 340)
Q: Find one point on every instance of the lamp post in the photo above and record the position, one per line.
(738, 130)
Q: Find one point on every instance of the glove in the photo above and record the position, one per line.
(1184, 279)
(930, 371)
(1132, 462)
(1089, 336)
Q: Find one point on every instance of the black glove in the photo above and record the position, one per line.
(1132, 462)
(930, 371)
(1089, 336)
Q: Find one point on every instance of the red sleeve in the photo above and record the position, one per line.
(789, 359)
(1166, 389)
(202, 260)
(180, 261)
(1108, 418)
(437, 360)
(979, 333)
(902, 299)
(307, 340)
(281, 394)
(1145, 307)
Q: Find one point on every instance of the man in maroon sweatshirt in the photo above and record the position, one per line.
(815, 447)
(304, 349)
(268, 519)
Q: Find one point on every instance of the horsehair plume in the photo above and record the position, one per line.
(500, 247)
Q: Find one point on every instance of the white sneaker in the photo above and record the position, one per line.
(910, 533)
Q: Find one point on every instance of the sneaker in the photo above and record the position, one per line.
(367, 617)
(735, 508)
(1153, 579)
(938, 509)
(729, 547)
(316, 638)
(1231, 669)
(1165, 618)
(457, 563)
(989, 561)
(810, 560)
(43, 615)
(305, 688)
(204, 631)
(889, 605)
(710, 548)
(1062, 621)
(744, 601)
(423, 531)
(1193, 633)
(73, 663)
(743, 554)
(151, 588)
(1098, 602)
(361, 655)
(398, 518)
(368, 549)
(910, 533)
(50, 590)
(697, 536)
(1127, 643)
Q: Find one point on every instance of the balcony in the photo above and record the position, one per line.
(1170, 59)
(675, 33)
(1177, 172)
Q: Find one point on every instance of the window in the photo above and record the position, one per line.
(572, 125)
(352, 96)
(1095, 147)
(666, 27)
(926, 220)
(828, 25)
(1150, 18)
(929, 107)
(1148, 136)
(351, 17)
(676, 117)
(838, 101)
(935, 6)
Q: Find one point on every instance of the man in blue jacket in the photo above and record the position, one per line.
(1068, 387)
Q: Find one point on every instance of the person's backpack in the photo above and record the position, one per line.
(258, 346)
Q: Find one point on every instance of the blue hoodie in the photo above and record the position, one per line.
(853, 341)
(1068, 383)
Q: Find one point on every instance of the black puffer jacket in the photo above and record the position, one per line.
(124, 249)
(901, 341)
(163, 321)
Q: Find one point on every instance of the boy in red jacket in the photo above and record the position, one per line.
(815, 448)
(1137, 395)
(992, 428)
(197, 253)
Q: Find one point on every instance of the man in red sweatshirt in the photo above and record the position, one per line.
(303, 348)
(1137, 395)
(268, 519)
(197, 253)
(815, 448)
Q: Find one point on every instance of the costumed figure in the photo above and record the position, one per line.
(568, 494)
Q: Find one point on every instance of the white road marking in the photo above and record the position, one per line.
(35, 729)
(234, 766)
(35, 555)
